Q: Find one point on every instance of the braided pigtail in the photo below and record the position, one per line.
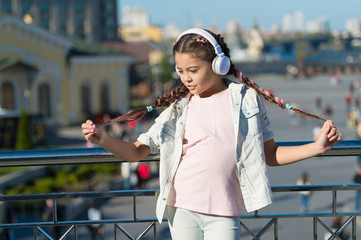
(266, 94)
(271, 98)
(162, 101)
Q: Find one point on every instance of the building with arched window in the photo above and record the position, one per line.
(65, 81)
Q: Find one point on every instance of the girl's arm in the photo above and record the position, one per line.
(130, 152)
(282, 155)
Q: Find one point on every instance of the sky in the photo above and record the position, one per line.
(267, 13)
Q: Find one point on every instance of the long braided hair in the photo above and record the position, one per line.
(199, 47)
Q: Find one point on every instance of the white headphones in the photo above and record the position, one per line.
(221, 62)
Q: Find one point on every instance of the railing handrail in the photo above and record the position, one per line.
(155, 192)
(98, 154)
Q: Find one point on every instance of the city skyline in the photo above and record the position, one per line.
(264, 13)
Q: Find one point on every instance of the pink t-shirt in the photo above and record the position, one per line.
(206, 180)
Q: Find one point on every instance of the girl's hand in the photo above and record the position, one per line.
(92, 133)
(328, 137)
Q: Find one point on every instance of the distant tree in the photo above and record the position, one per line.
(166, 68)
(23, 139)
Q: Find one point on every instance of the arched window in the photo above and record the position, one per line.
(44, 100)
(85, 98)
(104, 98)
(7, 99)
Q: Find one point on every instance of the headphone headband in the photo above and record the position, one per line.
(221, 63)
(206, 35)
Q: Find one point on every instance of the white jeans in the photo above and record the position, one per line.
(188, 225)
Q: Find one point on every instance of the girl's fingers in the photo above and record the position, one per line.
(327, 126)
(88, 127)
(332, 132)
(333, 138)
(334, 135)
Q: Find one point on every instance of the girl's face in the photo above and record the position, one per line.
(197, 75)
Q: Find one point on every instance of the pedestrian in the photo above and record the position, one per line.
(348, 103)
(125, 173)
(318, 101)
(328, 110)
(214, 140)
(336, 225)
(144, 174)
(305, 195)
(94, 214)
(315, 131)
(48, 216)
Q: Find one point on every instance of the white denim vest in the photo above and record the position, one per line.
(252, 129)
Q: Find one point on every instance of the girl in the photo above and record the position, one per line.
(214, 140)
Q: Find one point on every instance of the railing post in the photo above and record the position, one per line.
(55, 211)
(155, 231)
(354, 226)
(134, 209)
(76, 232)
(334, 201)
(276, 229)
(315, 219)
(35, 233)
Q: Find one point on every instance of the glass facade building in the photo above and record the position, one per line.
(92, 20)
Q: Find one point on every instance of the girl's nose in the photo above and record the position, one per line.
(187, 77)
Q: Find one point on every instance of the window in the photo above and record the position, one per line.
(6, 6)
(85, 98)
(109, 6)
(104, 98)
(25, 7)
(44, 100)
(79, 6)
(79, 27)
(7, 100)
(62, 25)
(44, 22)
(44, 6)
(110, 22)
(62, 8)
(62, 13)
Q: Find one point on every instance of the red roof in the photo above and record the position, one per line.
(140, 50)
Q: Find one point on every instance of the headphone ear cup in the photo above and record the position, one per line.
(221, 65)
(176, 70)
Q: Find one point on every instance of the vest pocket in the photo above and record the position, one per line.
(250, 124)
(167, 133)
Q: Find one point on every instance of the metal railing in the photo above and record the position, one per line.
(99, 155)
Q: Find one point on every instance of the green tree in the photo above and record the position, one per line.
(166, 68)
(23, 139)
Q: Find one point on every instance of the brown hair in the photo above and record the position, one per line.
(195, 44)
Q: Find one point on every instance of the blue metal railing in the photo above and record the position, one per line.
(96, 155)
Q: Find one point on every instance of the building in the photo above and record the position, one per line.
(65, 81)
(136, 27)
(287, 24)
(353, 26)
(319, 25)
(293, 23)
(92, 20)
(298, 21)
